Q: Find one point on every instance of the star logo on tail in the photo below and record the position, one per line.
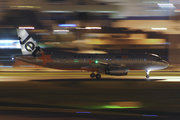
(45, 58)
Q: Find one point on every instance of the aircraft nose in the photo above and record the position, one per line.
(165, 64)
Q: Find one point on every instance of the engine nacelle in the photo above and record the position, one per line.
(117, 71)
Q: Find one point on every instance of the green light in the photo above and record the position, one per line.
(109, 107)
(117, 107)
(96, 61)
(76, 60)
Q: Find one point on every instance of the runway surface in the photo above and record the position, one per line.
(84, 76)
(74, 95)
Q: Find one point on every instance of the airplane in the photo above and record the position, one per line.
(110, 64)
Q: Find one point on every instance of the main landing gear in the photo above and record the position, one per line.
(98, 76)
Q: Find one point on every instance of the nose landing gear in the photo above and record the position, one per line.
(147, 73)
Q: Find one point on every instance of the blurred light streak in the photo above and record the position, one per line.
(57, 11)
(92, 52)
(67, 25)
(76, 60)
(10, 44)
(166, 5)
(93, 27)
(6, 66)
(126, 104)
(112, 107)
(81, 28)
(150, 115)
(81, 41)
(6, 60)
(122, 42)
(177, 10)
(157, 10)
(25, 7)
(52, 42)
(61, 30)
(149, 2)
(89, 28)
(103, 11)
(166, 43)
(159, 28)
(26, 28)
(27, 66)
(43, 34)
(117, 107)
(84, 112)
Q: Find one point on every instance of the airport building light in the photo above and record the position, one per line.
(27, 28)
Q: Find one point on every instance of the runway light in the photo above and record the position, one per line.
(67, 25)
(26, 28)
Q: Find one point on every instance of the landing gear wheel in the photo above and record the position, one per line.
(147, 76)
(147, 73)
(98, 76)
(92, 75)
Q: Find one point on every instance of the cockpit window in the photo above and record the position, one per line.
(158, 59)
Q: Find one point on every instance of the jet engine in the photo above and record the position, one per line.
(117, 71)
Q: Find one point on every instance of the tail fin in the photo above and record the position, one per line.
(28, 45)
